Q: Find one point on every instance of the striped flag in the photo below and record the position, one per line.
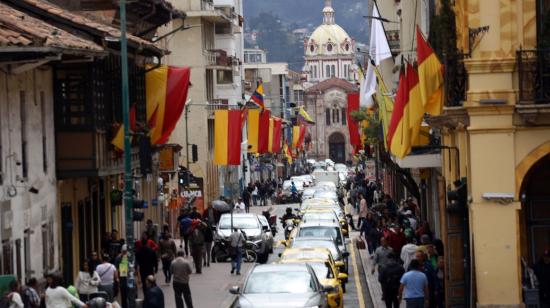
(304, 116)
(416, 109)
(263, 132)
(399, 133)
(298, 136)
(287, 153)
(253, 120)
(275, 132)
(258, 96)
(430, 73)
(227, 137)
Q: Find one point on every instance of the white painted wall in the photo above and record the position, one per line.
(26, 210)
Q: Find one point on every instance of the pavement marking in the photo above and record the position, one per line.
(356, 276)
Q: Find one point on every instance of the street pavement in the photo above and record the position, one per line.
(211, 288)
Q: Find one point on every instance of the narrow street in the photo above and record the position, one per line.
(211, 288)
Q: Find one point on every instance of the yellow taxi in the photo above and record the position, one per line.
(326, 269)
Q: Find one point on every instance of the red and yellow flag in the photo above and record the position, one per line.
(227, 137)
(275, 132)
(399, 132)
(430, 73)
(298, 136)
(416, 108)
(118, 140)
(263, 132)
(166, 92)
(287, 153)
(253, 122)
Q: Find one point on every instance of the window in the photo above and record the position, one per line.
(224, 76)
(44, 132)
(312, 48)
(327, 71)
(335, 115)
(27, 252)
(327, 116)
(209, 85)
(345, 71)
(347, 47)
(332, 70)
(246, 58)
(329, 47)
(344, 117)
(23, 121)
(223, 28)
(315, 72)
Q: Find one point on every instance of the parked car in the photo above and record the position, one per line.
(250, 225)
(282, 285)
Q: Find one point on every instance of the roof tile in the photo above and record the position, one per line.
(19, 29)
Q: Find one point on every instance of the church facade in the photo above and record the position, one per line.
(329, 55)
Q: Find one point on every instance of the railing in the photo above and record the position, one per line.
(456, 80)
(218, 57)
(534, 76)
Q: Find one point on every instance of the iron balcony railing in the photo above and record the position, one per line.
(534, 76)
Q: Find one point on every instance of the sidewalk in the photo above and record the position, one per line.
(372, 280)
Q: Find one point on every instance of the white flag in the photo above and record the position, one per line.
(379, 50)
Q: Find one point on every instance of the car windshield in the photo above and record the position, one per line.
(239, 222)
(322, 270)
(332, 232)
(314, 216)
(303, 254)
(280, 282)
(263, 221)
(318, 244)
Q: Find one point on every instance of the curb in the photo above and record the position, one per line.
(364, 259)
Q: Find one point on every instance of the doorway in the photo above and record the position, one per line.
(337, 147)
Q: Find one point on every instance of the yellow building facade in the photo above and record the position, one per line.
(502, 135)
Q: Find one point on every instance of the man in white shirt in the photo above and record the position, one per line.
(240, 207)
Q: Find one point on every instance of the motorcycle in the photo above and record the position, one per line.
(220, 251)
(272, 220)
(288, 225)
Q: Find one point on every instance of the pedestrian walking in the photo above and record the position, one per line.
(429, 271)
(363, 210)
(30, 296)
(87, 281)
(121, 264)
(195, 213)
(183, 224)
(208, 239)
(167, 249)
(181, 270)
(146, 261)
(196, 240)
(389, 276)
(236, 243)
(246, 199)
(381, 254)
(414, 287)
(94, 260)
(151, 231)
(408, 253)
(112, 246)
(108, 277)
(255, 195)
(154, 298)
(58, 297)
(12, 298)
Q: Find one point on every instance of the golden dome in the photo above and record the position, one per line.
(329, 38)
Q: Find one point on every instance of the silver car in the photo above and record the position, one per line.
(250, 225)
(281, 285)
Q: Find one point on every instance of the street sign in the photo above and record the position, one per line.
(370, 170)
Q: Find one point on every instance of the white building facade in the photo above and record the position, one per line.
(28, 197)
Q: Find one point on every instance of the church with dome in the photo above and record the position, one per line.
(329, 64)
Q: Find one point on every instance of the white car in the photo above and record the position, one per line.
(308, 193)
(326, 185)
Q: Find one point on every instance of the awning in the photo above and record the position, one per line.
(420, 161)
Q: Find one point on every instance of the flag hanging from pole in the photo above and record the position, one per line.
(275, 132)
(258, 96)
(304, 116)
(379, 50)
(399, 133)
(298, 136)
(227, 137)
(166, 93)
(430, 73)
(416, 109)
(118, 140)
(385, 105)
(253, 120)
(287, 153)
(353, 105)
(263, 132)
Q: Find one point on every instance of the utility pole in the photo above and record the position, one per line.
(128, 195)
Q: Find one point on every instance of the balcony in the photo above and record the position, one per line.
(456, 80)
(533, 107)
(218, 59)
(207, 10)
(81, 154)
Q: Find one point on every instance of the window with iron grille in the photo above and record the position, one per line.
(23, 121)
(327, 116)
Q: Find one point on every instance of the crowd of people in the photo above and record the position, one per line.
(405, 252)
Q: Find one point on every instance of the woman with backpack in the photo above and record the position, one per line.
(87, 281)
